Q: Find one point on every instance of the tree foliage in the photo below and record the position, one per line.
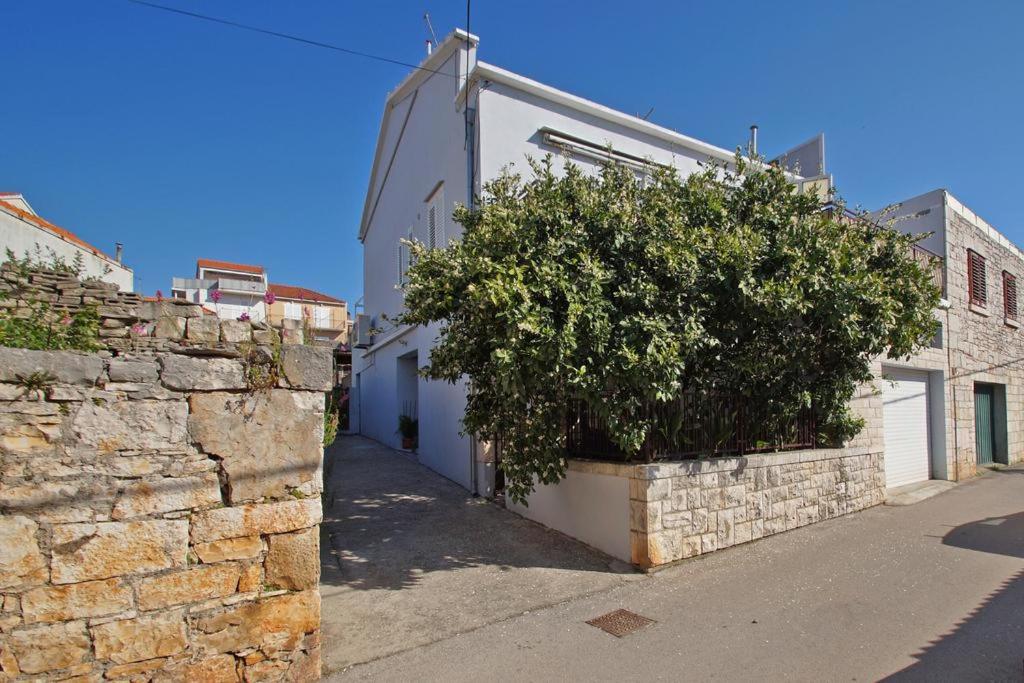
(622, 288)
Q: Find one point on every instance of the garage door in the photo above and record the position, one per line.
(905, 412)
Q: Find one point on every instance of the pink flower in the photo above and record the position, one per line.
(159, 295)
(269, 298)
(139, 329)
(66, 320)
(243, 318)
(215, 296)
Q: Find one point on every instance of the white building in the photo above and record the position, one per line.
(228, 289)
(24, 232)
(430, 156)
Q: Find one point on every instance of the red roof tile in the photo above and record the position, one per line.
(47, 225)
(300, 293)
(227, 265)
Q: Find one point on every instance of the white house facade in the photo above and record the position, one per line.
(432, 155)
(26, 233)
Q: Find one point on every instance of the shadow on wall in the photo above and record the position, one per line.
(388, 521)
(988, 643)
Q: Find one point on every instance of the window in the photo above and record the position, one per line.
(977, 288)
(435, 219)
(1009, 296)
(321, 317)
(404, 260)
(292, 310)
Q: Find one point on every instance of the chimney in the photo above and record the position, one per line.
(118, 252)
(430, 47)
(752, 151)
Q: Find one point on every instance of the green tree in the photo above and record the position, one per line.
(625, 288)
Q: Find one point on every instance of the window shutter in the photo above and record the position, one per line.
(1009, 296)
(976, 284)
(432, 226)
(401, 264)
(435, 220)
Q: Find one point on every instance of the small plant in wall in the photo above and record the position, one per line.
(409, 429)
(35, 384)
(262, 364)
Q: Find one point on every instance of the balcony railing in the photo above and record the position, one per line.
(241, 286)
(933, 263)
(190, 283)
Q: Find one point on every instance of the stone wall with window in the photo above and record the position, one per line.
(986, 344)
(158, 513)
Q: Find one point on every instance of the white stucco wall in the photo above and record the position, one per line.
(593, 508)
(510, 120)
(22, 237)
(431, 151)
(921, 214)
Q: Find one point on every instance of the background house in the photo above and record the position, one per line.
(228, 289)
(325, 316)
(24, 232)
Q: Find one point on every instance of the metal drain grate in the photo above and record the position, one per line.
(621, 622)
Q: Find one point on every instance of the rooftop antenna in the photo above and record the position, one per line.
(432, 40)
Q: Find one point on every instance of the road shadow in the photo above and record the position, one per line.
(389, 521)
(997, 535)
(991, 638)
(987, 645)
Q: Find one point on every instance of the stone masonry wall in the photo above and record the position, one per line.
(984, 346)
(158, 514)
(683, 509)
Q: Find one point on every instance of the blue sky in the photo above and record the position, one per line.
(184, 139)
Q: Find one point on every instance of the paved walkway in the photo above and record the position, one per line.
(933, 591)
(409, 558)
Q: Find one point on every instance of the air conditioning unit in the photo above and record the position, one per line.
(364, 339)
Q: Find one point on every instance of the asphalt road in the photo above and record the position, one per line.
(929, 592)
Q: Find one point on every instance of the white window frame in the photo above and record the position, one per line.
(403, 261)
(292, 310)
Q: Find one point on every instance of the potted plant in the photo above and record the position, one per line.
(408, 427)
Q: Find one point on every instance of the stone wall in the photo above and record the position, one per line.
(683, 509)
(984, 346)
(158, 514)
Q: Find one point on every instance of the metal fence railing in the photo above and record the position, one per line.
(694, 425)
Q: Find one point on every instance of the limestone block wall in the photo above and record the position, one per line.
(683, 509)
(983, 345)
(158, 514)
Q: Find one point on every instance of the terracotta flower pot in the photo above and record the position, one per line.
(407, 442)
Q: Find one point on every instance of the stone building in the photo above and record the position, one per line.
(957, 405)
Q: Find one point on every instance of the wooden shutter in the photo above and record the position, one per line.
(976, 283)
(1009, 296)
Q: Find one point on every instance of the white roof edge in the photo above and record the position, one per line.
(980, 223)
(441, 54)
(494, 73)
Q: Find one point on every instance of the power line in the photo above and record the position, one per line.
(286, 36)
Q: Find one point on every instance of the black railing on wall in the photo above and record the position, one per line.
(693, 426)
